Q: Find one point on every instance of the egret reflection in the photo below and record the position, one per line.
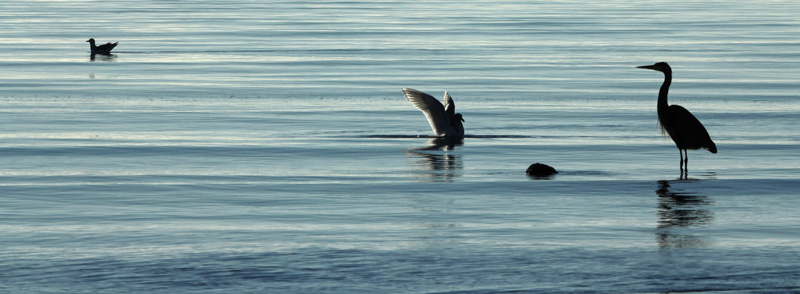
(435, 162)
(677, 213)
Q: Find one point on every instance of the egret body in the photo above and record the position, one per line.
(443, 119)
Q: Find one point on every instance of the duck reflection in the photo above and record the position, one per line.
(677, 212)
(102, 57)
(435, 162)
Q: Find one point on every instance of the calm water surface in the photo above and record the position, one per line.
(249, 147)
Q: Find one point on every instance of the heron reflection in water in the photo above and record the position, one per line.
(436, 161)
(678, 212)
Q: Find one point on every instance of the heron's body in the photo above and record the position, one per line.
(685, 130)
(104, 49)
(443, 119)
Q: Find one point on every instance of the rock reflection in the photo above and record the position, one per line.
(677, 213)
(435, 162)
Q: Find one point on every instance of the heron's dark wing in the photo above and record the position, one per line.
(449, 107)
(432, 108)
(689, 132)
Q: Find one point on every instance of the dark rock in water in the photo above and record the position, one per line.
(540, 170)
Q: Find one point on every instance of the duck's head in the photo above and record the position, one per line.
(459, 117)
(91, 40)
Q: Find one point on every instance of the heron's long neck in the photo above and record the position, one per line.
(662, 94)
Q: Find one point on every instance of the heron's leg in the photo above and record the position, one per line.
(686, 162)
(680, 152)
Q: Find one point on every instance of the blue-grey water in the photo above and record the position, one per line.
(265, 147)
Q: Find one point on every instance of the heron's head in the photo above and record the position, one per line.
(661, 66)
(91, 40)
(459, 117)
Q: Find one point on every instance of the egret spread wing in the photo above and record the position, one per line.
(432, 108)
(449, 107)
(690, 133)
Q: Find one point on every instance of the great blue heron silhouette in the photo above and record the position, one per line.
(685, 130)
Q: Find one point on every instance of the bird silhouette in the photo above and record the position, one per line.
(685, 130)
(104, 49)
(444, 120)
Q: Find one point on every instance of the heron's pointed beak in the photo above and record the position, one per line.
(646, 67)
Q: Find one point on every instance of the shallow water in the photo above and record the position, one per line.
(266, 147)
